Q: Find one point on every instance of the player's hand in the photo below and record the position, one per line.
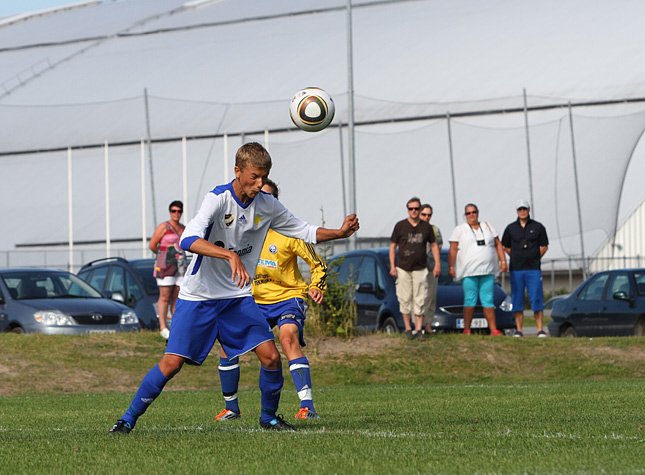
(393, 271)
(350, 226)
(504, 267)
(316, 295)
(239, 275)
(436, 271)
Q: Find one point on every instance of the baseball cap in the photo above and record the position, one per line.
(522, 204)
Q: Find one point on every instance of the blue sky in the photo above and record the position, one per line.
(13, 7)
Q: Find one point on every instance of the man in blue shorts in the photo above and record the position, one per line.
(525, 241)
(215, 301)
(281, 293)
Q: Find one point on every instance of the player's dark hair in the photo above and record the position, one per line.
(424, 206)
(253, 154)
(274, 186)
(176, 203)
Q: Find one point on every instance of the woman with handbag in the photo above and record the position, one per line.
(170, 264)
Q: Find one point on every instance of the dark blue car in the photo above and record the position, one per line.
(129, 282)
(610, 303)
(377, 307)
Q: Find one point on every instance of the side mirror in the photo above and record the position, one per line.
(118, 297)
(620, 295)
(366, 288)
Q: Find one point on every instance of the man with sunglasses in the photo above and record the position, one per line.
(411, 236)
(525, 241)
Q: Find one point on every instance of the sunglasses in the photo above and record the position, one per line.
(176, 210)
(471, 212)
(426, 214)
(522, 209)
(414, 209)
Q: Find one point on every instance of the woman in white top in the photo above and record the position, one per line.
(477, 252)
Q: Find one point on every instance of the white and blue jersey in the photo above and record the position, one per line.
(225, 221)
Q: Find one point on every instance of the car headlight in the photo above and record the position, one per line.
(53, 318)
(507, 304)
(129, 318)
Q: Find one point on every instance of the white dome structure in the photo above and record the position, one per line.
(109, 110)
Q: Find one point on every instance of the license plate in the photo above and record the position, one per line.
(476, 323)
(101, 331)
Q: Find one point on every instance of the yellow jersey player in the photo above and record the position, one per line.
(281, 292)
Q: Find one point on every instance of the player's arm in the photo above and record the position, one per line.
(349, 227)
(317, 267)
(543, 250)
(195, 239)
(239, 275)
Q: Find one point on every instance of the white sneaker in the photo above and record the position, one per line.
(165, 333)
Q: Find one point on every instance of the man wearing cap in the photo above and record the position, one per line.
(525, 241)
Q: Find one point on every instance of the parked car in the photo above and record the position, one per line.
(377, 307)
(58, 302)
(548, 305)
(610, 303)
(129, 282)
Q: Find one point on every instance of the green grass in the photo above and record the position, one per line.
(563, 427)
(451, 405)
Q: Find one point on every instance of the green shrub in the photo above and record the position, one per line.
(337, 314)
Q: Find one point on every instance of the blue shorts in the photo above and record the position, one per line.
(532, 281)
(238, 324)
(289, 311)
(479, 285)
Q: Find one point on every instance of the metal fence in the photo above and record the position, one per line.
(560, 275)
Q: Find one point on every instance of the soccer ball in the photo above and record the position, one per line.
(312, 109)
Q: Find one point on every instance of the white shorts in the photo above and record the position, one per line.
(170, 280)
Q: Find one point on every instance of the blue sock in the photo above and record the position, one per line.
(271, 382)
(229, 378)
(151, 386)
(299, 369)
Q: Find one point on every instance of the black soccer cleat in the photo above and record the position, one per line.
(277, 424)
(121, 427)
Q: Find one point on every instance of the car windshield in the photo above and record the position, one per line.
(144, 269)
(24, 285)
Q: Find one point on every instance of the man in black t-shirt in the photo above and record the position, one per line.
(525, 240)
(410, 236)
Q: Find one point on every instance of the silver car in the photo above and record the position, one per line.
(57, 302)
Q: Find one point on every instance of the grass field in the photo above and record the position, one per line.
(452, 405)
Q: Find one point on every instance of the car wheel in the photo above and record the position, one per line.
(569, 332)
(19, 330)
(639, 329)
(389, 326)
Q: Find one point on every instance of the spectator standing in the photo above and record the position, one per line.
(525, 241)
(431, 299)
(473, 259)
(170, 264)
(410, 236)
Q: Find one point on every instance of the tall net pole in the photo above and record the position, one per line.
(528, 153)
(152, 175)
(350, 120)
(575, 178)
